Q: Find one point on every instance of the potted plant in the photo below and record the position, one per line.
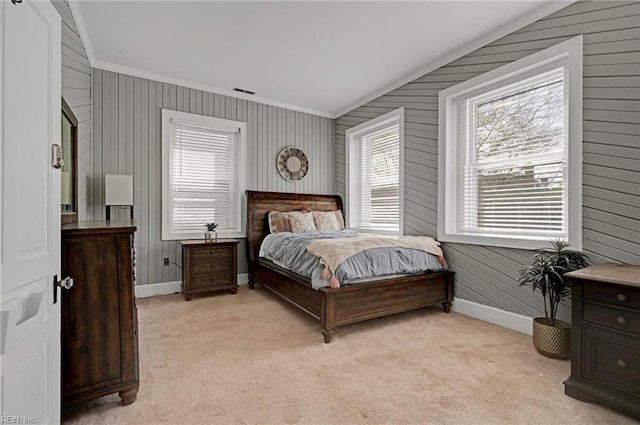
(211, 227)
(551, 336)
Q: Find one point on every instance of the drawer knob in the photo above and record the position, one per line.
(622, 363)
(212, 252)
(623, 297)
(212, 265)
(621, 320)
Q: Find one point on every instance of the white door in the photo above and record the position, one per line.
(29, 212)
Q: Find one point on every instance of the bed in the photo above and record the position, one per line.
(348, 304)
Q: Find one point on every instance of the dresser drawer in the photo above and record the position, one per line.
(614, 317)
(612, 359)
(616, 295)
(202, 254)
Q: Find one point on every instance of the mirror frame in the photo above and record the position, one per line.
(72, 216)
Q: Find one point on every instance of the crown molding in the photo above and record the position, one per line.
(74, 6)
(107, 66)
(457, 54)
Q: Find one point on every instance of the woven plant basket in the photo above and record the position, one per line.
(552, 338)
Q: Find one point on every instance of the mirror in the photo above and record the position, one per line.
(69, 175)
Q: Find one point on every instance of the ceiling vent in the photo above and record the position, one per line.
(243, 90)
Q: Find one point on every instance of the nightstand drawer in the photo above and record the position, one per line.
(211, 267)
(210, 253)
(616, 295)
(624, 320)
(224, 280)
(612, 359)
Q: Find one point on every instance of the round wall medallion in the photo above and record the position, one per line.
(293, 164)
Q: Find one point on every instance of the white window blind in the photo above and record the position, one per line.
(203, 178)
(380, 190)
(374, 172)
(514, 138)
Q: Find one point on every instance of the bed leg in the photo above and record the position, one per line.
(328, 315)
(251, 284)
(446, 306)
(328, 335)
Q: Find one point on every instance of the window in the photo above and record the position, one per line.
(510, 153)
(374, 174)
(203, 175)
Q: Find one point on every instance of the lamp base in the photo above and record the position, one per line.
(108, 211)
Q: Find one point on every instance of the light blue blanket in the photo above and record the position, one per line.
(288, 250)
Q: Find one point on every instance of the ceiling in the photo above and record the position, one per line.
(320, 57)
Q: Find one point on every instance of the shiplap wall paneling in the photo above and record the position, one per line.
(76, 90)
(611, 146)
(128, 140)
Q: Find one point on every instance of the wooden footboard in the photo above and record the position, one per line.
(355, 303)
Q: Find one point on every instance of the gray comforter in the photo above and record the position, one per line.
(288, 250)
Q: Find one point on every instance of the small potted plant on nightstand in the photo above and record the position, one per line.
(211, 227)
(551, 336)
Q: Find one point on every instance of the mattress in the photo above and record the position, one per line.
(288, 250)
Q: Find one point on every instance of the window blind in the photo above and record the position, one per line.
(203, 178)
(515, 155)
(380, 180)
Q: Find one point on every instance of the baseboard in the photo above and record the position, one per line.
(166, 288)
(506, 319)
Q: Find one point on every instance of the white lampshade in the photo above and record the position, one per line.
(118, 189)
(65, 192)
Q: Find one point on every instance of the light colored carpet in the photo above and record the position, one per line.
(252, 359)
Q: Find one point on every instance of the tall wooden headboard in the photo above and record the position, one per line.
(259, 204)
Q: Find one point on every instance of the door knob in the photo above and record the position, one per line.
(65, 283)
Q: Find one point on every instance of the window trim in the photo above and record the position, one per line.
(351, 208)
(448, 145)
(216, 124)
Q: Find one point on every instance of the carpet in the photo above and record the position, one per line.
(253, 359)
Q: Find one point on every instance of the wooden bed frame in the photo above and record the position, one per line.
(349, 303)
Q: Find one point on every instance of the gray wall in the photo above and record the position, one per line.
(611, 117)
(76, 90)
(128, 140)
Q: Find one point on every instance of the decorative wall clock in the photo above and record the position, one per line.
(292, 164)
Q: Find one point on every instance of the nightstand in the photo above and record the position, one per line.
(209, 266)
(605, 336)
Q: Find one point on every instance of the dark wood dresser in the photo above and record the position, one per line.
(209, 266)
(605, 336)
(99, 315)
